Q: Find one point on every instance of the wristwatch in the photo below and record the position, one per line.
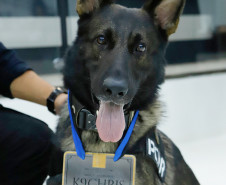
(52, 97)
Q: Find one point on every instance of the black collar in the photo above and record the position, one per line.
(85, 120)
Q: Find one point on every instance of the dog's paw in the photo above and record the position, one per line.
(55, 180)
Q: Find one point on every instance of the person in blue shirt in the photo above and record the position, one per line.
(28, 148)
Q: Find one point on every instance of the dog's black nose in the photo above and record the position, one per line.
(115, 88)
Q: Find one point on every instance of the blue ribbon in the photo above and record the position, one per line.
(125, 140)
(78, 143)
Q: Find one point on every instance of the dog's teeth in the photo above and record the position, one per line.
(97, 112)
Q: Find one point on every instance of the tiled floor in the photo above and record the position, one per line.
(195, 121)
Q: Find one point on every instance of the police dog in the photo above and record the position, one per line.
(116, 65)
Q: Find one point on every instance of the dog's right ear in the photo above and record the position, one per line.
(88, 6)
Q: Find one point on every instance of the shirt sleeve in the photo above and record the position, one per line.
(10, 68)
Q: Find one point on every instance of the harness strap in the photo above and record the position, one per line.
(151, 145)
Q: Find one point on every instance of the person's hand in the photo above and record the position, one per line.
(59, 102)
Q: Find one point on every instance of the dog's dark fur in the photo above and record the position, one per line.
(89, 62)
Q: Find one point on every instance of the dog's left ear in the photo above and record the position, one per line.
(166, 13)
(88, 6)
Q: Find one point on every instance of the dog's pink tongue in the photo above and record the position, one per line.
(110, 122)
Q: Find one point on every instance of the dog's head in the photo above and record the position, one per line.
(117, 61)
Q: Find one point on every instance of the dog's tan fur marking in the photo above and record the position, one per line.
(86, 6)
(166, 13)
(150, 118)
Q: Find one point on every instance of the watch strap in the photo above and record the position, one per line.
(52, 97)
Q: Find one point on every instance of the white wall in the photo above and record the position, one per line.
(196, 122)
(193, 103)
(38, 32)
(215, 8)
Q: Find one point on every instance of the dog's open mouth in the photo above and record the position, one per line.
(110, 122)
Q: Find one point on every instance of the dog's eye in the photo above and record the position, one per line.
(101, 40)
(141, 48)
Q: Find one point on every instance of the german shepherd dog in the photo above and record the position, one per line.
(116, 65)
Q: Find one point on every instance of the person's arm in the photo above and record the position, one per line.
(29, 86)
(18, 80)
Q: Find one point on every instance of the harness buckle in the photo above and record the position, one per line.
(86, 120)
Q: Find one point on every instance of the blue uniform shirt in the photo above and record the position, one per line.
(10, 68)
